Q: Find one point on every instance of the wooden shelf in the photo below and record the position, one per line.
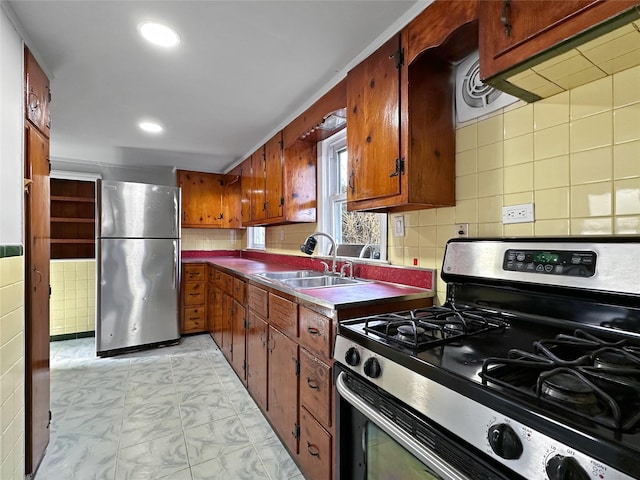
(72, 240)
(72, 220)
(60, 198)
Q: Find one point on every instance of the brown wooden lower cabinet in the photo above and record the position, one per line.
(226, 326)
(194, 298)
(315, 387)
(257, 330)
(238, 339)
(315, 457)
(282, 387)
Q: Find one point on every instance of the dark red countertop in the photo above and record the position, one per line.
(338, 297)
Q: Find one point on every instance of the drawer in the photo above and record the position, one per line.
(315, 387)
(258, 300)
(239, 290)
(194, 319)
(283, 314)
(224, 282)
(194, 293)
(315, 448)
(194, 272)
(316, 332)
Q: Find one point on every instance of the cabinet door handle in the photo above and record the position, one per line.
(34, 102)
(311, 383)
(504, 17)
(313, 450)
(313, 330)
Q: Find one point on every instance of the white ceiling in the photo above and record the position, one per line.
(243, 70)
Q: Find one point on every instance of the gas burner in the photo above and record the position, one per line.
(410, 332)
(569, 390)
(615, 358)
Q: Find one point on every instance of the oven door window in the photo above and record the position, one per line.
(388, 460)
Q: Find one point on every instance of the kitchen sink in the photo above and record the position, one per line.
(300, 279)
(297, 274)
(322, 281)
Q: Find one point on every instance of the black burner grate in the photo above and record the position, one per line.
(593, 378)
(433, 326)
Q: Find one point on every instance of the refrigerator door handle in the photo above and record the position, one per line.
(174, 275)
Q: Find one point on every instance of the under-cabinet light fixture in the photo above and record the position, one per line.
(159, 34)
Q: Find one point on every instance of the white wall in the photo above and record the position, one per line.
(11, 133)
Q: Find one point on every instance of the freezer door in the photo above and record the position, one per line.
(137, 292)
(138, 210)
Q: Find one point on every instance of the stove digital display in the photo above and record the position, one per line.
(565, 263)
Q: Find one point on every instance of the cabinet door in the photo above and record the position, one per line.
(258, 207)
(300, 190)
(373, 116)
(315, 448)
(38, 95)
(315, 387)
(238, 357)
(245, 191)
(512, 32)
(274, 198)
(227, 326)
(257, 359)
(211, 308)
(201, 199)
(217, 317)
(231, 202)
(282, 387)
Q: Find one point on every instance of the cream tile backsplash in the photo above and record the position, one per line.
(12, 368)
(73, 296)
(576, 155)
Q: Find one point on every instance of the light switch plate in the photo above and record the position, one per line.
(522, 213)
(398, 225)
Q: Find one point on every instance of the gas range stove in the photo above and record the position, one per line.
(534, 359)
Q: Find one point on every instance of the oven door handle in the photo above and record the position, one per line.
(428, 458)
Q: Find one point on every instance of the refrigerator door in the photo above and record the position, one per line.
(137, 293)
(138, 210)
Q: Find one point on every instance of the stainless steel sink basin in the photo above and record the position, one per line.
(296, 274)
(322, 281)
(299, 279)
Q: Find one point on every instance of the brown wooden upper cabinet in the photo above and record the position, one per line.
(517, 34)
(209, 200)
(401, 132)
(37, 95)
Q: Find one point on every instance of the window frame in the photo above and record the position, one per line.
(328, 200)
(252, 242)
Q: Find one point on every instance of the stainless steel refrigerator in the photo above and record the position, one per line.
(138, 266)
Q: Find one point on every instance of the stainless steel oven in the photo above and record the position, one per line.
(382, 439)
(530, 370)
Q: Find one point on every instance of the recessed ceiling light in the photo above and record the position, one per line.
(150, 127)
(159, 34)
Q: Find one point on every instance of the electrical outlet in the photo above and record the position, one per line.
(462, 230)
(398, 225)
(518, 213)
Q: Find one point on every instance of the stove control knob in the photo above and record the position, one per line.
(372, 368)
(565, 468)
(504, 441)
(352, 357)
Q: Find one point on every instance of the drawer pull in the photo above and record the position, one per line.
(313, 331)
(195, 294)
(313, 450)
(194, 318)
(311, 383)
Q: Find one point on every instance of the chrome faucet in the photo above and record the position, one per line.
(346, 265)
(310, 245)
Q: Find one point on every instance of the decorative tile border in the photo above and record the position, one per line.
(11, 251)
(71, 336)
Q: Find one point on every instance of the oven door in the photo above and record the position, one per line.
(378, 438)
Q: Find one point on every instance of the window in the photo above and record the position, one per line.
(255, 238)
(358, 234)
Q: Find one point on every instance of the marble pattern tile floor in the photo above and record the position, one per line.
(172, 413)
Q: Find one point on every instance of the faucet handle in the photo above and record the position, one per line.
(326, 266)
(349, 265)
